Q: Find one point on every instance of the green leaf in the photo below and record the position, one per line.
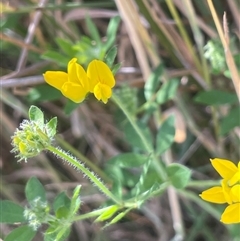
(75, 201)
(128, 160)
(152, 178)
(128, 97)
(66, 46)
(117, 168)
(110, 56)
(153, 82)
(179, 175)
(61, 200)
(34, 189)
(230, 121)
(108, 213)
(167, 91)
(52, 127)
(227, 73)
(165, 135)
(118, 217)
(60, 235)
(43, 93)
(87, 51)
(216, 97)
(11, 212)
(117, 175)
(35, 114)
(112, 31)
(115, 68)
(56, 57)
(62, 212)
(133, 138)
(23, 233)
(93, 30)
(116, 186)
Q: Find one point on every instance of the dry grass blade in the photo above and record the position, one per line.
(129, 14)
(223, 34)
(20, 43)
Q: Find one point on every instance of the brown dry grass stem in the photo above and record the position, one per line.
(223, 34)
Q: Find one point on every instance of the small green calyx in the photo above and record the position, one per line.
(33, 136)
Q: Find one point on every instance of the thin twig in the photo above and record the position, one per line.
(175, 208)
(20, 43)
(31, 31)
(26, 71)
(20, 82)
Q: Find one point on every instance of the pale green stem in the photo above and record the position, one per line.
(158, 164)
(79, 155)
(204, 184)
(63, 155)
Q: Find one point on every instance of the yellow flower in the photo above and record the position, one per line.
(228, 192)
(227, 170)
(76, 83)
(101, 80)
(231, 214)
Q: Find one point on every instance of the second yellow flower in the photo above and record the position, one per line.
(77, 83)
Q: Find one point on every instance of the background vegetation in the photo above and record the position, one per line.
(176, 57)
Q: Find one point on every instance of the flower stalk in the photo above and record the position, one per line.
(73, 161)
(158, 165)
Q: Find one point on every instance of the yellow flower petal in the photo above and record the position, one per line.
(102, 92)
(235, 178)
(99, 72)
(226, 191)
(225, 168)
(235, 193)
(77, 75)
(231, 214)
(72, 71)
(74, 92)
(56, 78)
(214, 195)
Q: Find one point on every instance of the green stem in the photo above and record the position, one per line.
(159, 167)
(79, 155)
(65, 156)
(204, 184)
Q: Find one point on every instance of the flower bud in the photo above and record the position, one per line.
(30, 139)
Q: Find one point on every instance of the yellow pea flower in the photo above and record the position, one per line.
(231, 214)
(225, 168)
(222, 194)
(76, 83)
(101, 80)
(228, 192)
